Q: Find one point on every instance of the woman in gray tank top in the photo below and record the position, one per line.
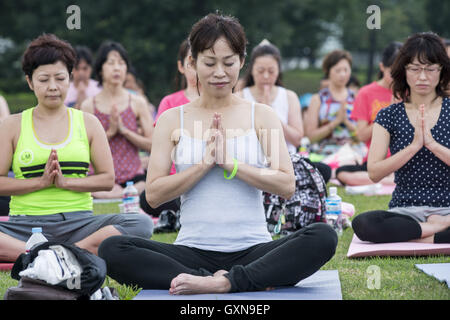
(227, 151)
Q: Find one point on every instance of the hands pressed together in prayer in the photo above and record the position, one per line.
(216, 145)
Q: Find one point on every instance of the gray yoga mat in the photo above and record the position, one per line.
(322, 285)
(440, 271)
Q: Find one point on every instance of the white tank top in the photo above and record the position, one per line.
(281, 107)
(219, 214)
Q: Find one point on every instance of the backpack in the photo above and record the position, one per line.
(91, 278)
(306, 206)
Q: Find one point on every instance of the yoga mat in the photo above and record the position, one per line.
(359, 248)
(322, 285)
(4, 218)
(6, 266)
(115, 200)
(440, 271)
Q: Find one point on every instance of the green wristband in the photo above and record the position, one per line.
(233, 173)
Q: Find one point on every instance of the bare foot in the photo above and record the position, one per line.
(189, 284)
(220, 273)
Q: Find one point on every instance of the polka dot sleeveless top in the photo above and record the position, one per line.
(425, 179)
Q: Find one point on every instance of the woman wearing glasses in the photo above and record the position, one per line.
(417, 131)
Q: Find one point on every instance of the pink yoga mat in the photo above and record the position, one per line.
(359, 248)
(4, 218)
(6, 266)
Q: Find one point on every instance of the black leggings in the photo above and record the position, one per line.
(152, 265)
(384, 226)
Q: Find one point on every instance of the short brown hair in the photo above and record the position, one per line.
(47, 49)
(207, 30)
(333, 59)
(429, 48)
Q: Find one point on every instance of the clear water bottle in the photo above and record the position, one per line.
(334, 210)
(130, 199)
(36, 238)
(304, 147)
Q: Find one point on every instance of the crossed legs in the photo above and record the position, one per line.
(154, 265)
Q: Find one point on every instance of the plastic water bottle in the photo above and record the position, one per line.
(304, 147)
(334, 210)
(36, 238)
(130, 200)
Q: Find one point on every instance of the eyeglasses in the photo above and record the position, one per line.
(418, 70)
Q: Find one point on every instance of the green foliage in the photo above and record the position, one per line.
(151, 30)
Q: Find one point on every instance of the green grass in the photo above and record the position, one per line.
(399, 280)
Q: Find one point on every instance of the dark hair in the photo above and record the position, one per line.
(389, 54)
(207, 30)
(102, 56)
(333, 59)
(429, 49)
(47, 49)
(353, 80)
(83, 53)
(259, 51)
(180, 80)
(132, 70)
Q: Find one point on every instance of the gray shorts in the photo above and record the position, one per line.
(72, 227)
(420, 214)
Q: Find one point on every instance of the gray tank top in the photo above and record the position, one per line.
(219, 214)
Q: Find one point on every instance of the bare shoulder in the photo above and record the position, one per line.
(12, 121)
(315, 99)
(90, 119)
(139, 102)
(168, 123)
(10, 126)
(265, 116)
(291, 94)
(88, 105)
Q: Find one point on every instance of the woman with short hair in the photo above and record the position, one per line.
(217, 143)
(50, 148)
(416, 131)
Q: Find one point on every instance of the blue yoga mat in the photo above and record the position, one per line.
(440, 271)
(322, 285)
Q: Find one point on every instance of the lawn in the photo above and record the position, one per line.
(400, 279)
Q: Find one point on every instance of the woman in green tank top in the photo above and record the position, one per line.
(50, 148)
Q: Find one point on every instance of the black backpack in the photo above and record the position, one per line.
(92, 276)
(306, 206)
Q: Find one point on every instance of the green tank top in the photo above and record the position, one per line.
(29, 161)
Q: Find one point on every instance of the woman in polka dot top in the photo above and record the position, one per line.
(417, 131)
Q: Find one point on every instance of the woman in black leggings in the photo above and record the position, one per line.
(223, 244)
(285, 261)
(416, 132)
